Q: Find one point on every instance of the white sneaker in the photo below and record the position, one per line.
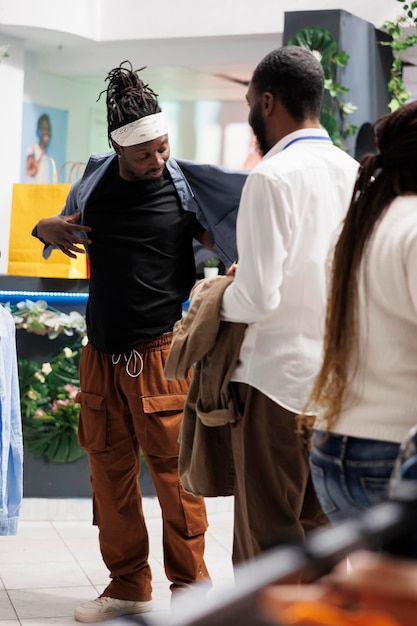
(105, 608)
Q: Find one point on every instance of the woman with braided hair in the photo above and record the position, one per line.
(365, 395)
(136, 214)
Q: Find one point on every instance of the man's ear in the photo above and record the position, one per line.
(268, 102)
(117, 148)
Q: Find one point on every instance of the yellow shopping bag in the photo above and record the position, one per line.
(30, 203)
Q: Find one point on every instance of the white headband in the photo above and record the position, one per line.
(144, 129)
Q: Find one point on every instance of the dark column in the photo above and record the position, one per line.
(367, 71)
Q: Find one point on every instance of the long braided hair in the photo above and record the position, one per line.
(128, 98)
(383, 176)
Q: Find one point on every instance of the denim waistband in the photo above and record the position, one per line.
(353, 448)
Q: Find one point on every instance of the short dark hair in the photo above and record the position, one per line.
(295, 77)
(128, 98)
(41, 119)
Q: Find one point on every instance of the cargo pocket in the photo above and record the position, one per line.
(92, 427)
(194, 511)
(163, 421)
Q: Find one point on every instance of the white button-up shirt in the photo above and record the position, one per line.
(291, 205)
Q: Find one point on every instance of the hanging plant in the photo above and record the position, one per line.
(399, 44)
(334, 111)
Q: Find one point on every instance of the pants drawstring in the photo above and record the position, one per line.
(132, 361)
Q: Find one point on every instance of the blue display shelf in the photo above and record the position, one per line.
(61, 293)
(51, 297)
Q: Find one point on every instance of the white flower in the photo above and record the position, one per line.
(39, 318)
(46, 368)
(68, 352)
(40, 377)
(84, 340)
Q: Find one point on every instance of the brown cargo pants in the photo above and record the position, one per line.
(127, 405)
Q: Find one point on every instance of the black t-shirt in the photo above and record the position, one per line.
(141, 260)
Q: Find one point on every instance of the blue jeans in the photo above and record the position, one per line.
(350, 474)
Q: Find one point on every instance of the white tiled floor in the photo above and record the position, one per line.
(54, 563)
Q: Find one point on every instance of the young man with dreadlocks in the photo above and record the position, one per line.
(135, 212)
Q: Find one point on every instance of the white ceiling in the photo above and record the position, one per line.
(198, 68)
(187, 68)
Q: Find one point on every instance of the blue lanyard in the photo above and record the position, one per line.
(306, 137)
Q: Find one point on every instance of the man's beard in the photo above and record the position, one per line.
(258, 127)
(153, 184)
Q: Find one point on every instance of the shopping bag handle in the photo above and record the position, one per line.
(53, 169)
(76, 166)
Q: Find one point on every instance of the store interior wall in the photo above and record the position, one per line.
(206, 125)
(198, 130)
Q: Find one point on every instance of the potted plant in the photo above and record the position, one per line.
(211, 266)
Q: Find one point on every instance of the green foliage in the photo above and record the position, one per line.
(49, 411)
(212, 261)
(335, 111)
(399, 44)
(3, 52)
(40, 318)
(48, 390)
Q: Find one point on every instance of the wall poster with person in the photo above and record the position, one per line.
(44, 143)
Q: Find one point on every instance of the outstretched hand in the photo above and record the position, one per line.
(232, 269)
(61, 232)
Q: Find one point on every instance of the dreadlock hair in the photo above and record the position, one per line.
(390, 172)
(128, 98)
